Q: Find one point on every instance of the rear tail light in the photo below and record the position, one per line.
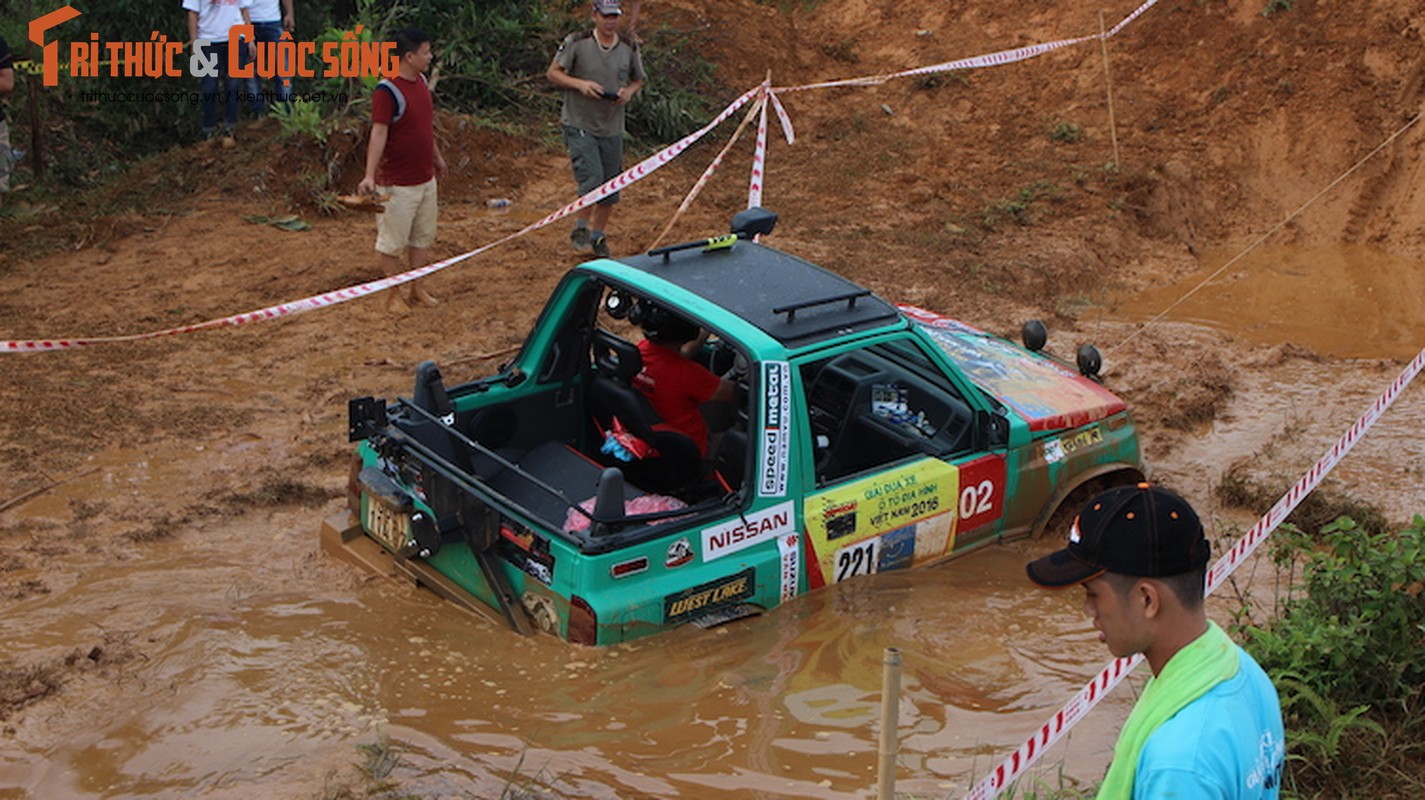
(627, 568)
(583, 622)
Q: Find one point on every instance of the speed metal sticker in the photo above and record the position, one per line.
(775, 455)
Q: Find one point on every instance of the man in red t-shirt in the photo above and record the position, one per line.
(674, 384)
(402, 161)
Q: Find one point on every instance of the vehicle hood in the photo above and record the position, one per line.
(1046, 394)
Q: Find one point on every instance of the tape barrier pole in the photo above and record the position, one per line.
(641, 170)
(1065, 718)
(759, 159)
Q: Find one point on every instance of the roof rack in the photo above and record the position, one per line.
(849, 297)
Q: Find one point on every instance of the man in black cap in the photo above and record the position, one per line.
(1208, 724)
(599, 71)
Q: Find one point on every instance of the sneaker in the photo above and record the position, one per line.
(601, 247)
(580, 239)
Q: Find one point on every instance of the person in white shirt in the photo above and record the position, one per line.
(269, 19)
(209, 22)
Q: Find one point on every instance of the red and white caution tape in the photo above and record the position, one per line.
(782, 117)
(977, 62)
(1066, 717)
(638, 172)
(647, 166)
(707, 174)
(759, 159)
(642, 170)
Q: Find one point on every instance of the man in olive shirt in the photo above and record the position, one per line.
(599, 71)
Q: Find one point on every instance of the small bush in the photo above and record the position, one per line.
(1066, 133)
(1273, 6)
(1357, 634)
(1347, 653)
(1020, 208)
(301, 119)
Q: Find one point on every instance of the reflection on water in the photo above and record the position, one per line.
(264, 664)
(1348, 302)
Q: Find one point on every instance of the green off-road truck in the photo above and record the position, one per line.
(863, 437)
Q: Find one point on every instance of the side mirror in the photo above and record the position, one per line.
(989, 430)
(1035, 335)
(1090, 361)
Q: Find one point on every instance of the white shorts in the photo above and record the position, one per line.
(409, 218)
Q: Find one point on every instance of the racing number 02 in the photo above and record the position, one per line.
(982, 486)
(977, 499)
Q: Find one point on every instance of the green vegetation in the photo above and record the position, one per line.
(1021, 208)
(1273, 6)
(490, 62)
(1066, 133)
(1347, 652)
(301, 118)
(674, 100)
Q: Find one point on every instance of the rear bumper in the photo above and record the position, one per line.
(342, 537)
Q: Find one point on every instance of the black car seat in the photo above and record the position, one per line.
(611, 394)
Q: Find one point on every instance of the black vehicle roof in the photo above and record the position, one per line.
(790, 299)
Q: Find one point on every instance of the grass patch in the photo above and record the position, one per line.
(1065, 133)
(1021, 208)
(24, 685)
(843, 51)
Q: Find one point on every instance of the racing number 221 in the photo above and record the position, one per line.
(859, 559)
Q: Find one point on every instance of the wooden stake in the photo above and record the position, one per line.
(890, 723)
(1108, 84)
(37, 138)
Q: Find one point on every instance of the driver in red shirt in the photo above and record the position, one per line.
(674, 384)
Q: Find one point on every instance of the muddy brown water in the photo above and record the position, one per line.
(264, 664)
(1351, 301)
